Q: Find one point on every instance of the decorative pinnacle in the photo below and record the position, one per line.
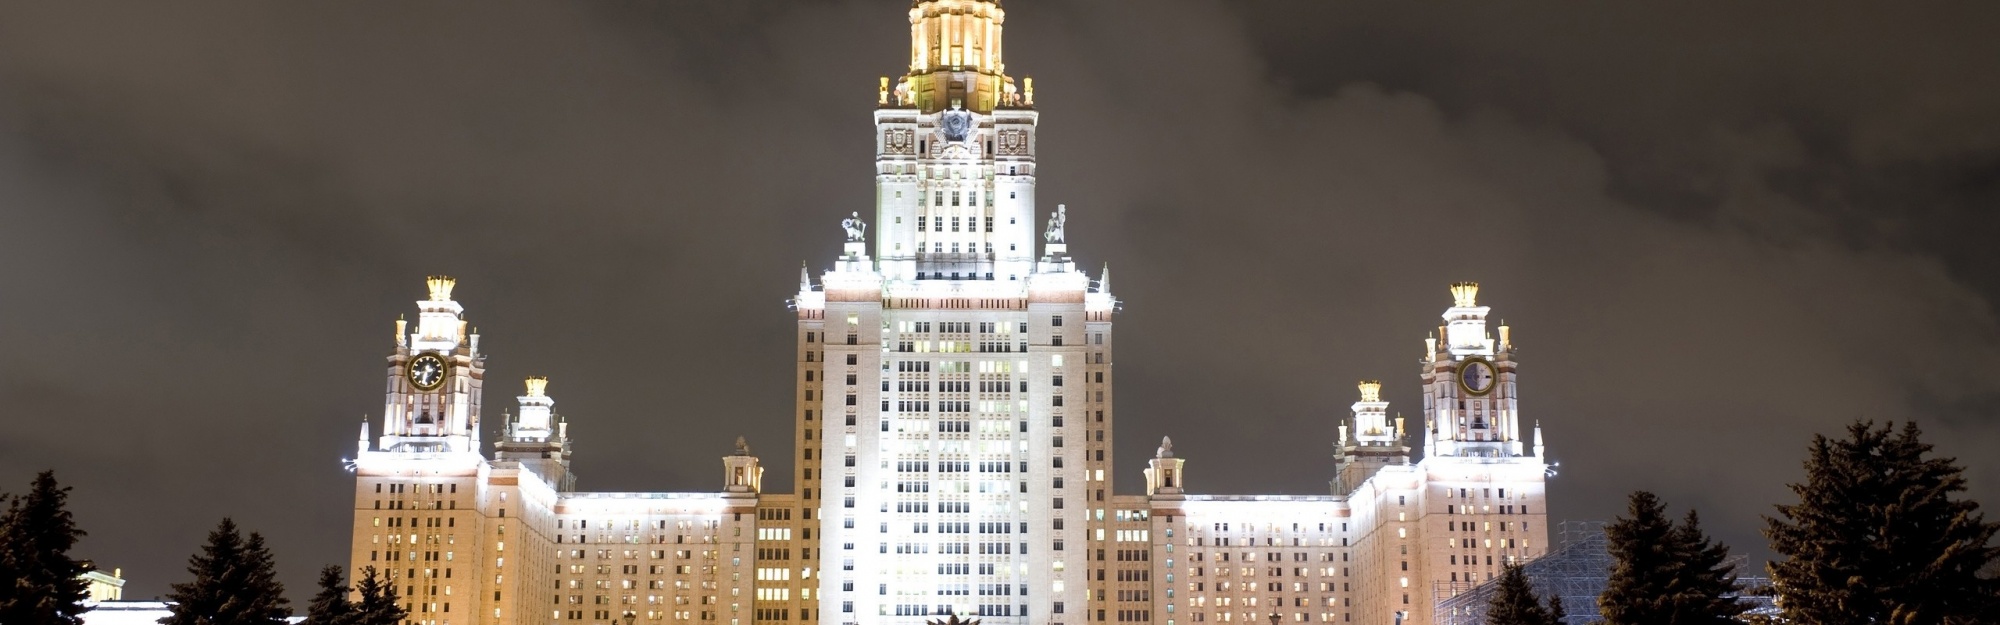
(742, 446)
(440, 287)
(1166, 448)
(1371, 390)
(537, 385)
(1465, 294)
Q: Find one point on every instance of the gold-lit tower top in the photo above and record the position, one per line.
(537, 385)
(440, 287)
(955, 59)
(1371, 390)
(1465, 294)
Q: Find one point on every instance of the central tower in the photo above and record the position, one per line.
(954, 388)
(955, 153)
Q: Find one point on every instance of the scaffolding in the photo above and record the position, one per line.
(1577, 571)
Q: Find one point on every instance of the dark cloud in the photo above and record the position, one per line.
(1714, 231)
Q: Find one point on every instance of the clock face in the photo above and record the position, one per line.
(1476, 376)
(426, 372)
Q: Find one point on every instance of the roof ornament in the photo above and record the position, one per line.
(742, 446)
(1465, 294)
(856, 228)
(1371, 390)
(440, 287)
(1166, 448)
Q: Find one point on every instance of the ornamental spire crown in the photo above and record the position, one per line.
(1465, 294)
(440, 287)
(955, 59)
(1371, 390)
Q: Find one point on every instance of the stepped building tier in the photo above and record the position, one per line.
(953, 440)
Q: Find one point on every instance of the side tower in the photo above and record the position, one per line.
(954, 409)
(1484, 502)
(1374, 442)
(536, 438)
(416, 488)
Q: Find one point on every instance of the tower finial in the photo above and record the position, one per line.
(537, 385)
(440, 287)
(742, 446)
(1465, 294)
(1371, 390)
(1104, 279)
(1166, 448)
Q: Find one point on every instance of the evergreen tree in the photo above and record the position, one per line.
(1556, 612)
(1707, 590)
(1665, 574)
(1877, 536)
(235, 583)
(1642, 562)
(377, 604)
(330, 606)
(40, 584)
(1515, 603)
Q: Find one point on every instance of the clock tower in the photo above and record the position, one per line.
(417, 503)
(1469, 403)
(433, 379)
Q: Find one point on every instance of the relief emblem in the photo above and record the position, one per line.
(899, 141)
(1013, 143)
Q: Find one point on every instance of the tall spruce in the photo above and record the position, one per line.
(1882, 534)
(1665, 574)
(330, 606)
(235, 583)
(377, 603)
(1708, 589)
(1514, 602)
(40, 584)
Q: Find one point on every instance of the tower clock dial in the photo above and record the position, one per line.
(426, 372)
(1476, 376)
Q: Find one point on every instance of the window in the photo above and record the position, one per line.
(853, 359)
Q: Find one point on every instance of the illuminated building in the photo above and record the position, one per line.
(953, 440)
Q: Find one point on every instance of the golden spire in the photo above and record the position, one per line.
(440, 287)
(537, 385)
(955, 56)
(1466, 294)
(1371, 390)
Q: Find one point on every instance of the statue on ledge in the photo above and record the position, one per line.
(855, 227)
(1054, 234)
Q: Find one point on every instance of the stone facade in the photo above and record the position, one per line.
(953, 441)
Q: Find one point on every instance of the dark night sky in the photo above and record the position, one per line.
(1716, 228)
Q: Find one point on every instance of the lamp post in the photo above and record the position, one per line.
(629, 617)
(1274, 618)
